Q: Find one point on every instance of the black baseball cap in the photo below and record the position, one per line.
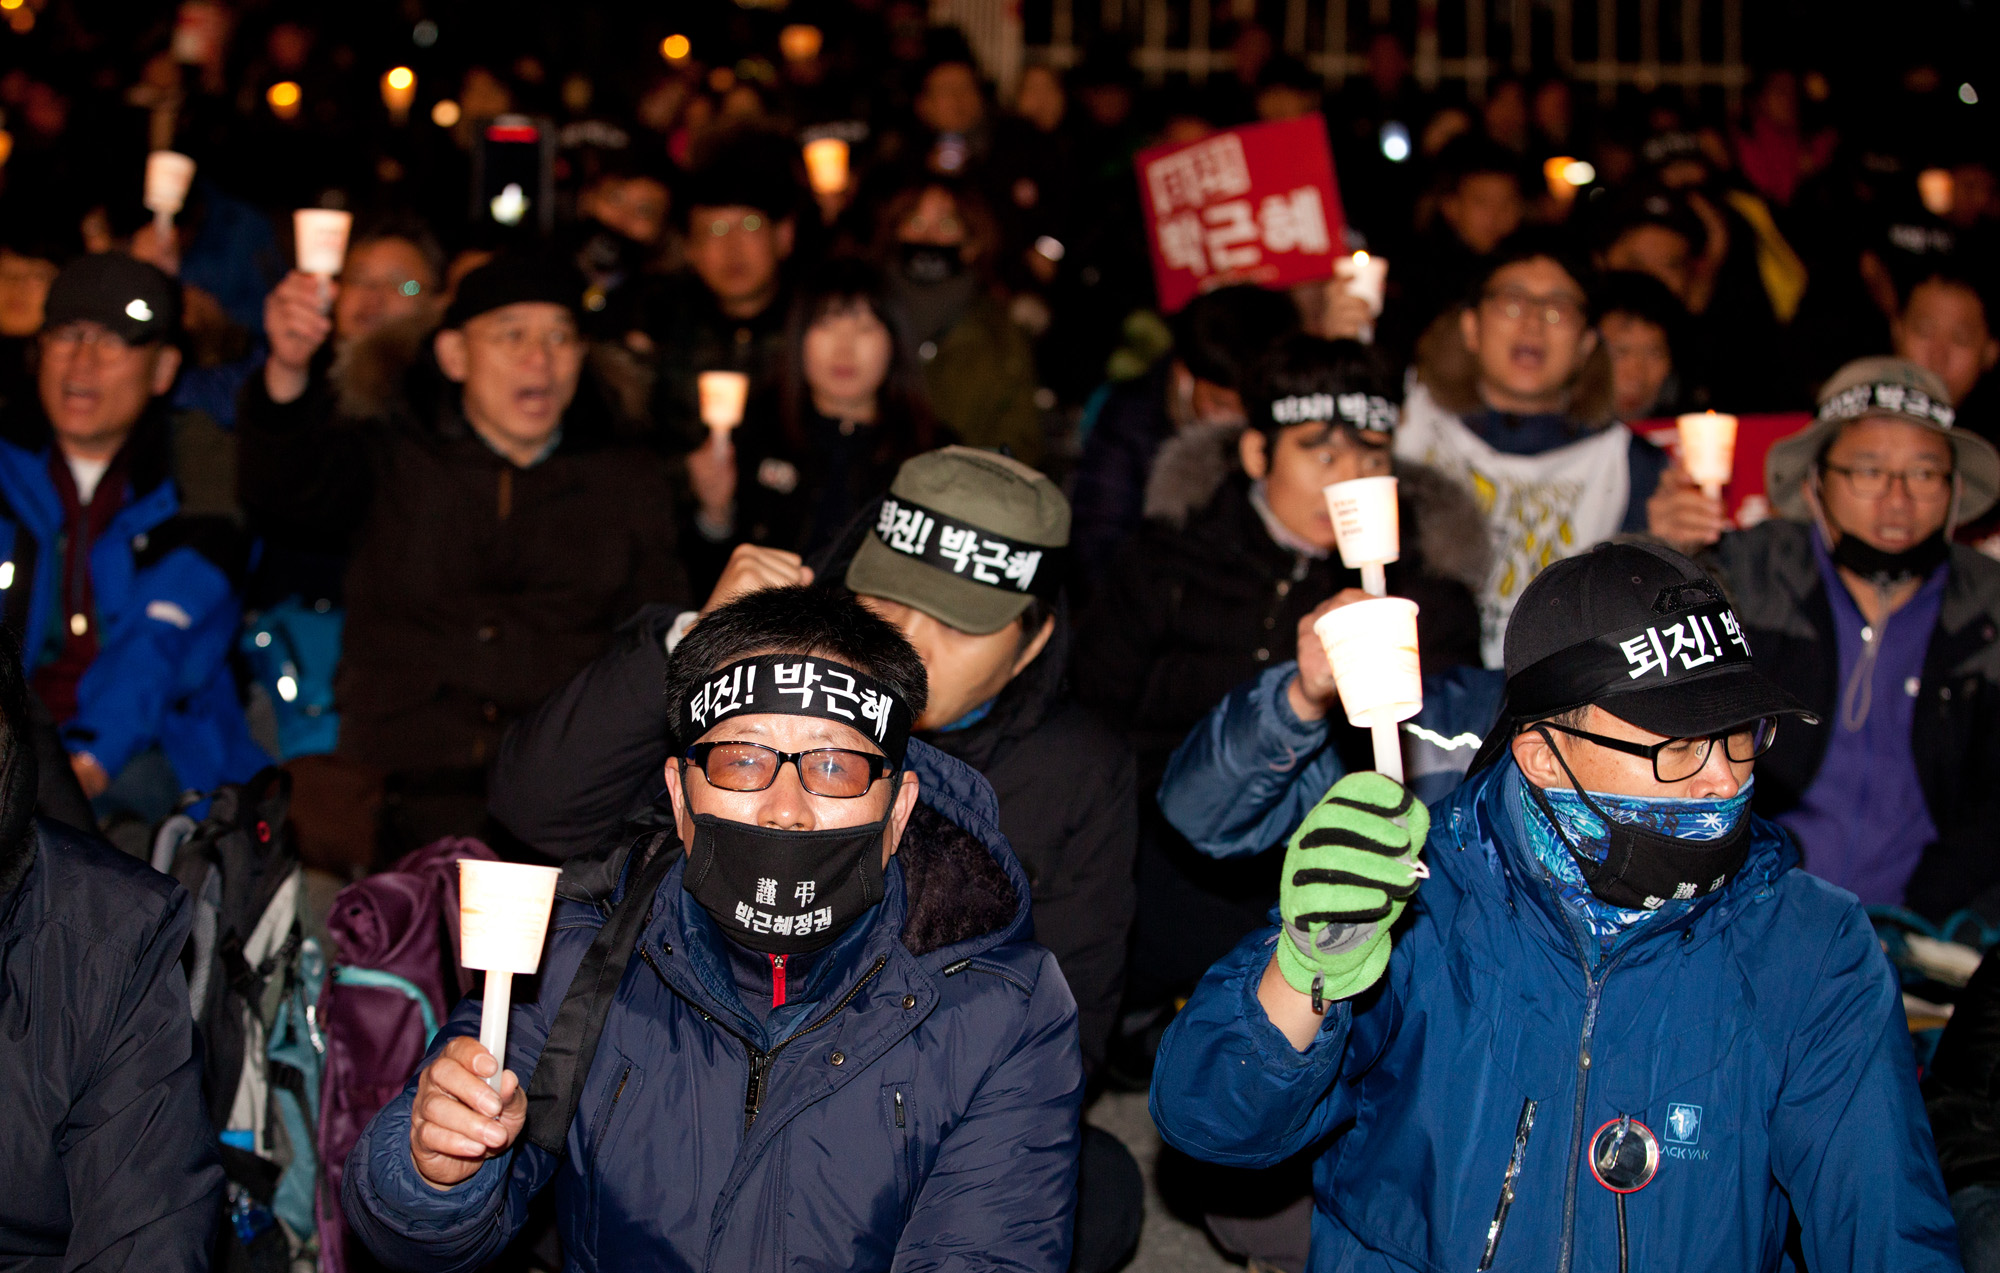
(1640, 631)
(513, 279)
(137, 302)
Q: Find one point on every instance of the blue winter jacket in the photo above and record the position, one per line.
(1759, 1033)
(166, 618)
(916, 1110)
(1247, 774)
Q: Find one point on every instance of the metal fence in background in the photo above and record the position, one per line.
(1695, 45)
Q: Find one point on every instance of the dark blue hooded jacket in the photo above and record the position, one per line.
(1759, 1033)
(918, 1105)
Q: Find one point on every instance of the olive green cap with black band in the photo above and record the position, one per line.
(969, 537)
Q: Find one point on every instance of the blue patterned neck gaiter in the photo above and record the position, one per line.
(1682, 818)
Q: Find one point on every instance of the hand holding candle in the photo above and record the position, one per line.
(1367, 528)
(1708, 449)
(320, 240)
(503, 919)
(1365, 278)
(1373, 648)
(168, 176)
(722, 395)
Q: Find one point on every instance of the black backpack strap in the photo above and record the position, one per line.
(557, 1084)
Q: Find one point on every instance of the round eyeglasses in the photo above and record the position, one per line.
(823, 771)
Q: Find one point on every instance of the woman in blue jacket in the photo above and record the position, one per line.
(832, 1044)
(1621, 1031)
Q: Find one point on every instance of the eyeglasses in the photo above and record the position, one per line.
(1554, 311)
(1679, 759)
(102, 339)
(1869, 482)
(518, 341)
(721, 226)
(823, 771)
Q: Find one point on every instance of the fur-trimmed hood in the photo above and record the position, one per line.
(392, 373)
(1447, 368)
(1451, 542)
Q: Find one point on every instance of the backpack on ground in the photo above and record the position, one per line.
(253, 982)
(396, 977)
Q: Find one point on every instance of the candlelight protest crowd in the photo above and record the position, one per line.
(1450, 638)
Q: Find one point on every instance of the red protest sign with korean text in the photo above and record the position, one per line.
(1256, 204)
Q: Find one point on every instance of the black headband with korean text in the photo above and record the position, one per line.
(1364, 411)
(1678, 647)
(971, 552)
(1889, 396)
(801, 685)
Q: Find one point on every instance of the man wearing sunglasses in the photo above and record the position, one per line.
(821, 1037)
(1858, 604)
(1616, 1028)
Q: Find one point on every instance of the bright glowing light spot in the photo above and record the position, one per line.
(401, 78)
(1360, 259)
(11, 4)
(139, 311)
(288, 689)
(1968, 94)
(510, 205)
(675, 48)
(284, 99)
(1579, 173)
(263, 640)
(411, 287)
(6, 575)
(799, 42)
(1395, 142)
(78, 625)
(445, 113)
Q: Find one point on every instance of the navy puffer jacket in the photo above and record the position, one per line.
(917, 1106)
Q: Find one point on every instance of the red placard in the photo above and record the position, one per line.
(1256, 204)
(1754, 436)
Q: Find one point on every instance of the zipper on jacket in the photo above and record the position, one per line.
(899, 1107)
(777, 980)
(1594, 981)
(760, 1062)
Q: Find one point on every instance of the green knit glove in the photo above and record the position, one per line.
(1349, 869)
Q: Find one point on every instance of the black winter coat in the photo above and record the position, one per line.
(105, 1147)
(1779, 595)
(1962, 1091)
(594, 754)
(1189, 611)
(475, 587)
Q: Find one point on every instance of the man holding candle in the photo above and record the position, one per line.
(1212, 591)
(824, 1037)
(1860, 606)
(727, 311)
(1608, 940)
(501, 523)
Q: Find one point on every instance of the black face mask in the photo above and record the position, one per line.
(928, 263)
(783, 892)
(1642, 868)
(1871, 563)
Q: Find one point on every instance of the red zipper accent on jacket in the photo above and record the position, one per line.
(777, 980)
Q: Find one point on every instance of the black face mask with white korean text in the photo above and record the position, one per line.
(783, 892)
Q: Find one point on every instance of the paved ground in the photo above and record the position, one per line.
(1166, 1244)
